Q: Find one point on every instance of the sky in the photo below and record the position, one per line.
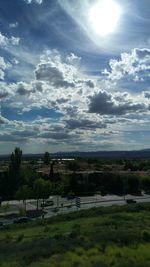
(74, 75)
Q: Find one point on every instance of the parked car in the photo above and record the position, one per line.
(22, 220)
(130, 201)
(47, 203)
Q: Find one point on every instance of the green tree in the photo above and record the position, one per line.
(42, 189)
(6, 207)
(15, 159)
(51, 173)
(24, 193)
(59, 189)
(14, 171)
(46, 158)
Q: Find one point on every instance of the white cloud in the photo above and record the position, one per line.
(34, 1)
(88, 115)
(13, 25)
(72, 58)
(3, 66)
(133, 64)
(3, 120)
(6, 41)
(118, 104)
(53, 69)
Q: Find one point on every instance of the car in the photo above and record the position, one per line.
(22, 220)
(47, 203)
(130, 201)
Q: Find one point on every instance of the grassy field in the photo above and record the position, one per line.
(100, 237)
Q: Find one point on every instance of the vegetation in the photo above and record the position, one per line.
(46, 158)
(100, 237)
(81, 177)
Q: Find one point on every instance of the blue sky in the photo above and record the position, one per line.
(67, 86)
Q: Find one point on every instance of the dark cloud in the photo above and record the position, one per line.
(84, 124)
(3, 120)
(104, 103)
(71, 111)
(90, 84)
(9, 137)
(62, 100)
(25, 133)
(142, 53)
(21, 90)
(3, 94)
(53, 75)
(25, 89)
(55, 135)
(147, 94)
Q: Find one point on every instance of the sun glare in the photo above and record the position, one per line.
(104, 16)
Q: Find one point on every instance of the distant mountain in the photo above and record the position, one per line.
(105, 154)
(144, 153)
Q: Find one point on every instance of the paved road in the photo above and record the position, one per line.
(70, 205)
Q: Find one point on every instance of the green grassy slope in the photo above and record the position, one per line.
(100, 237)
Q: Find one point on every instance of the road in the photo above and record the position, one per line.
(66, 206)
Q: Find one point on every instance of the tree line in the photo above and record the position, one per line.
(22, 183)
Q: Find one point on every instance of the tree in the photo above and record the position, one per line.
(15, 159)
(59, 189)
(14, 171)
(6, 207)
(42, 189)
(46, 158)
(51, 173)
(24, 193)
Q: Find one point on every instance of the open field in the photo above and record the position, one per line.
(99, 237)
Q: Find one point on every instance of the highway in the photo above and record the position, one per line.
(62, 205)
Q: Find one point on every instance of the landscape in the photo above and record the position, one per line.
(82, 211)
(74, 133)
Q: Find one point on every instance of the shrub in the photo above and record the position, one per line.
(146, 236)
(8, 238)
(20, 238)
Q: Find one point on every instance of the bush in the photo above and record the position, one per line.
(146, 236)
(8, 238)
(20, 238)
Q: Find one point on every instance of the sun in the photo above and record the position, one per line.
(104, 16)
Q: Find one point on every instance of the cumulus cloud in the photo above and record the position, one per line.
(3, 66)
(6, 90)
(50, 73)
(132, 64)
(3, 120)
(72, 58)
(146, 94)
(6, 41)
(105, 103)
(90, 83)
(53, 69)
(24, 89)
(86, 114)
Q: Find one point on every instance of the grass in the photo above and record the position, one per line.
(99, 237)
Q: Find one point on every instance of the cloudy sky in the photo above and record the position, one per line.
(74, 75)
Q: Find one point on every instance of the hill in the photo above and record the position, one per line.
(145, 153)
(100, 237)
